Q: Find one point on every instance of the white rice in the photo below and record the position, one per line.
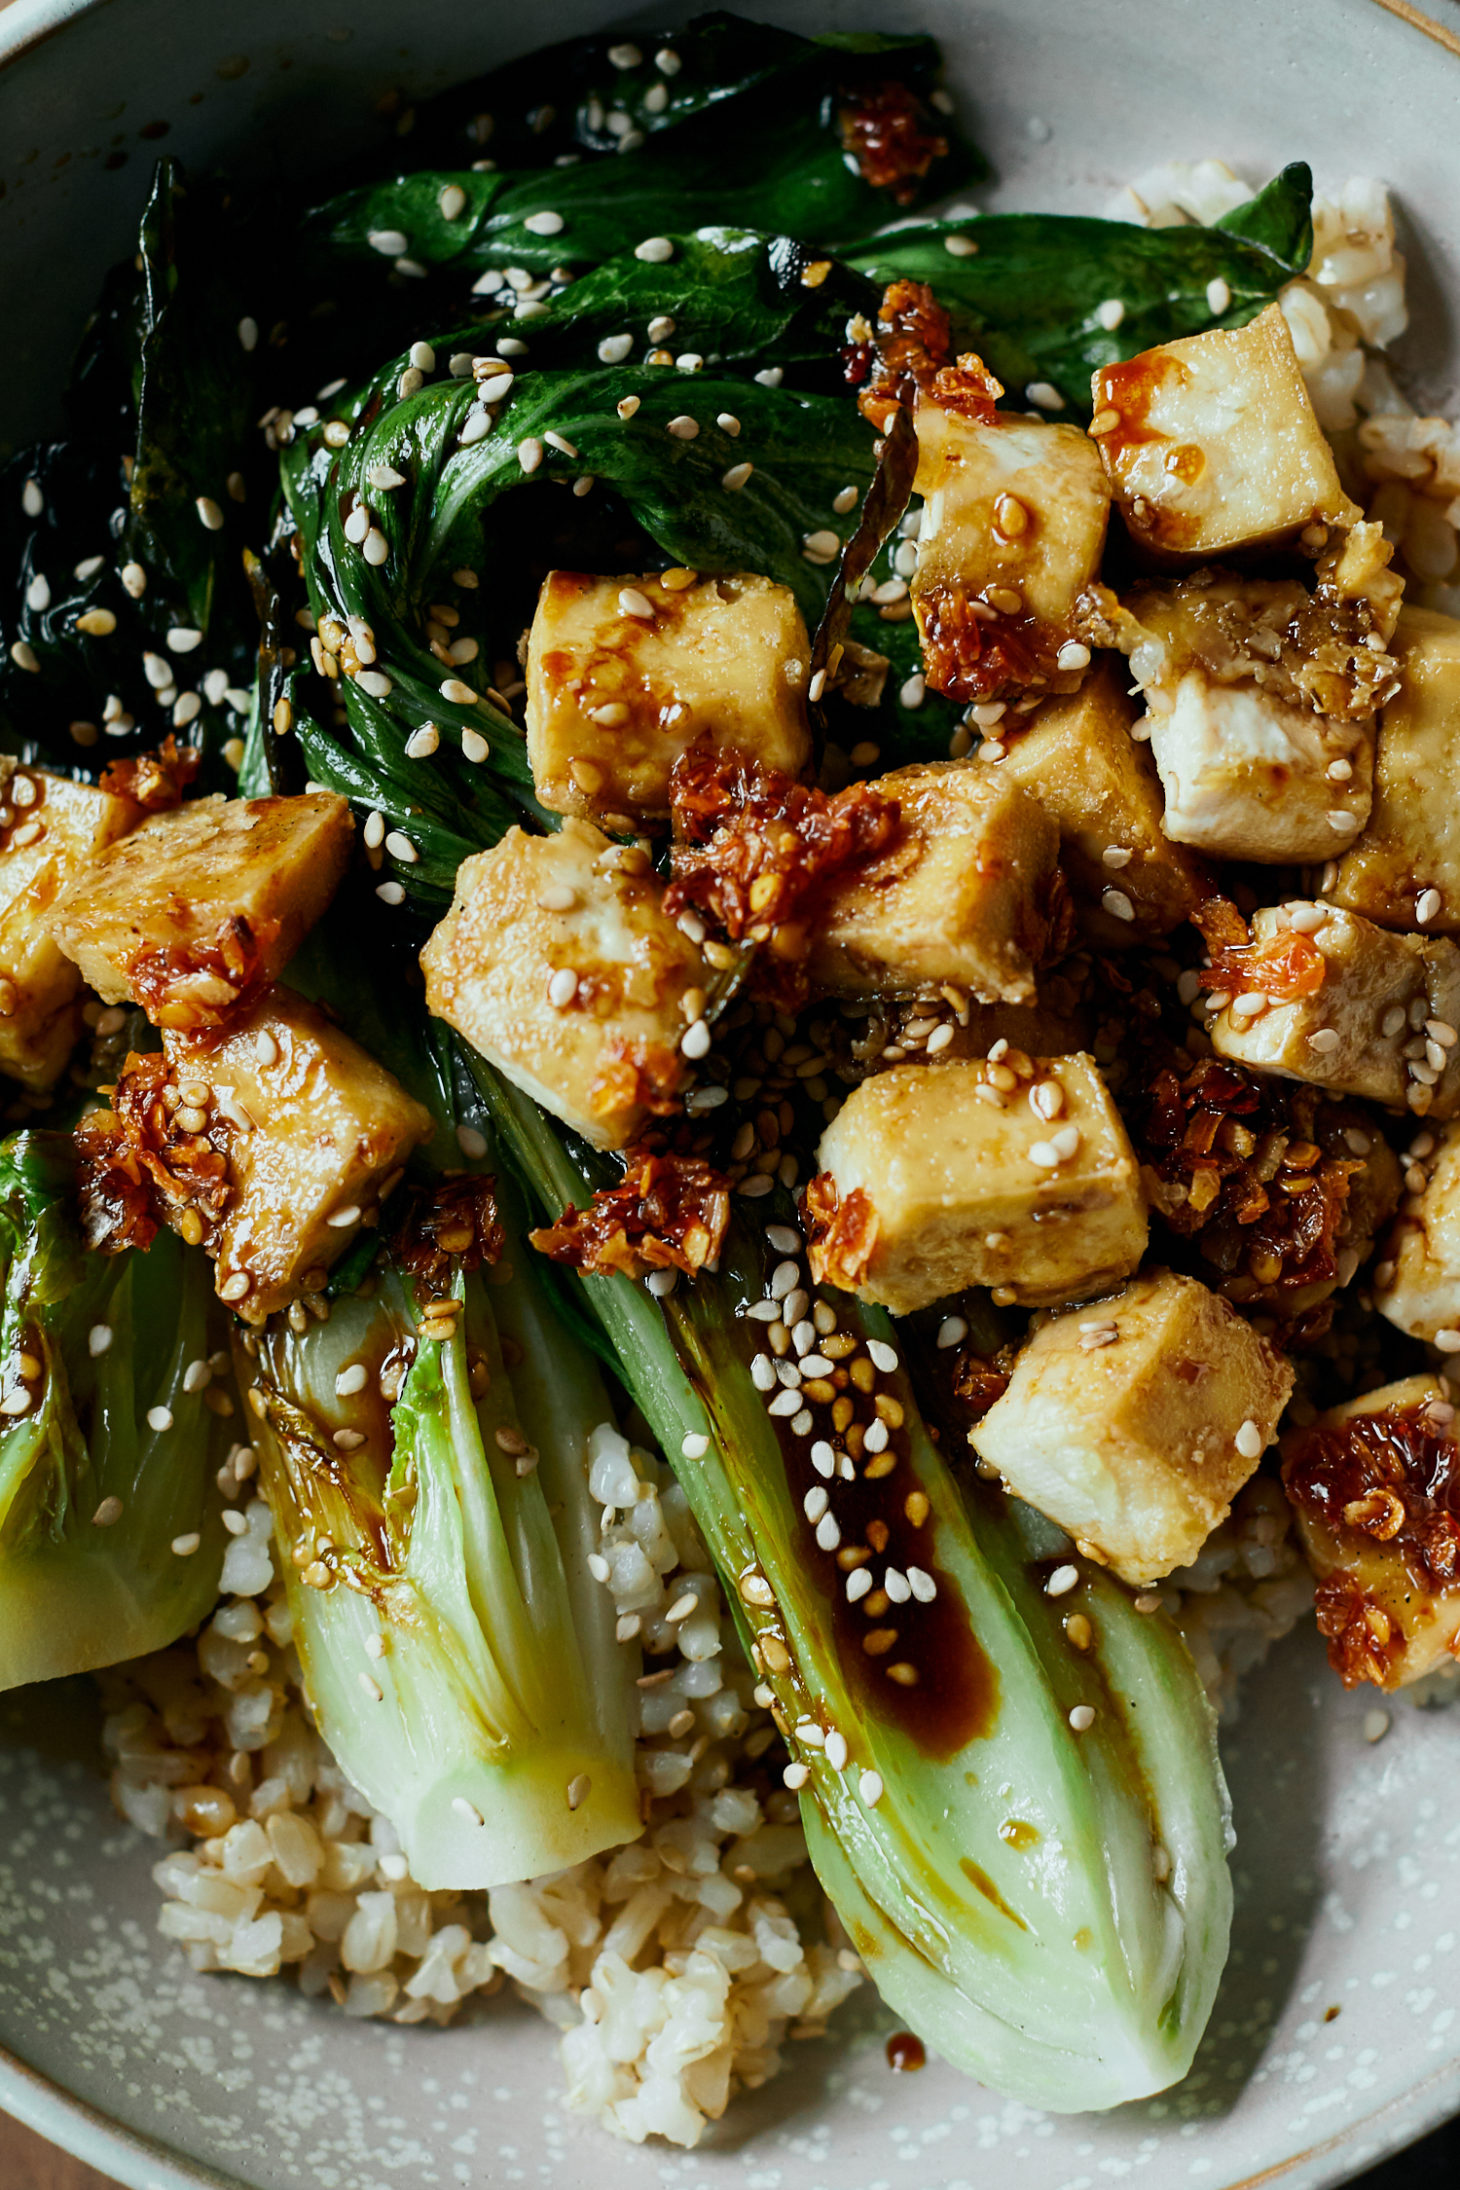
(673, 1968)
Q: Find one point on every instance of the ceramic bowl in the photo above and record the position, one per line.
(1336, 2036)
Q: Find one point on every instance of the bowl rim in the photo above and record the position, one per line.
(141, 2162)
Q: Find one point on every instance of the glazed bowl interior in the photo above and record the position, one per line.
(1334, 2038)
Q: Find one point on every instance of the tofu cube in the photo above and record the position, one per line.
(313, 1131)
(1364, 1030)
(50, 828)
(1246, 776)
(933, 1178)
(1211, 444)
(614, 698)
(1417, 1283)
(1013, 525)
(1368, 1483)
(1411, 847)
(558, 962)
(962, 894)
(202, 907)
(1136, 1443)
(1076, 755)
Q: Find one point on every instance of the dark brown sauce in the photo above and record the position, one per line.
(905, 2053)
(982, 1883)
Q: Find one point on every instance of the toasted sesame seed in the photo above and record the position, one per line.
(684, 428)
(734, 479)
(459, 694)
(821, 547)
(108, 1513)
(184, 1546)
(1082, 1718)
(1392, 1022)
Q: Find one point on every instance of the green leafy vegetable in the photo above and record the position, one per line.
(1027, 297)
(1049, 1908)
(460, 1655)
(111, 1533)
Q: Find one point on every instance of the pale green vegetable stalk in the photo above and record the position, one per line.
(458, 1653)
(1046, 1903)
(111, 1535)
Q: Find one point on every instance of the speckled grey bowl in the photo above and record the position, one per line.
(1336, 2036)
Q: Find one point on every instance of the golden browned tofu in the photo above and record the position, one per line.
(1373, 1487)
(50, 829)
(313, 1131)
(1210, 442)
(1076, 755)
(935, 1177)
(203, 906)
(962, 895)
(1417, 1283)
(1134, 1423)
(558, 962)
(1369, 1028)
(1404, 871)
(1013, 525)
(614, 696)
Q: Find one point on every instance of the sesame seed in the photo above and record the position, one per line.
(1044, 396)
(159, 1418)
(859, 1583)
(351, 1380)
(474, 746)
(1045, 1154)
(422, 743)
(684, 428)
(400, 847)
(1110, 314)
(661, 1282)
(828, 1535)
(182, 639)
(452, 202)
(562, 988)
(695, 1446)
(632, 602)
(667, 61)
(836, 1749)
(1448, 1341)
(544, 224)
(1345, 824)
(1117, 904)
(459, 694)
(235, 1287)
(869, 1786)
(1082, 1718)
(884, 1357)
(815, 1503)
(1073, 655)
(625, 56)
(696, 1042)
(960, 246)
(389, 242)
(1250, 1441)
(734, 479)
(108, 1513)
(769, 376)
(183, 1547)
(952, 1331)
(614, 349)
(1219, 296)
(1392, 1022)
(1062, 1581)
(654, 250)
(1427, 905)
(821, 547)
(795, 1775)
(32, 501)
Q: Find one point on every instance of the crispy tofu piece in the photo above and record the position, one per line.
(203, 906)
(613, 699)
(1367, 1482)
(962, 895)
(314, 1132)
(1137, 1444)
(1380, 992)
(932, 1179)
(1247, 776)
(1211, 444)
(1411, 846)
(1076, 755)
(50, 828)
(1013, 525)
(558, 962)
(1417, 1284)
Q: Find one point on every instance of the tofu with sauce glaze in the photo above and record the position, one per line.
(1411, 846)
(314, 1132)
(1076, 755)
(50, 830)
(1364, 1031)
(1133, 1424)
(1211, 444)
(614, 699)
(1368, 1483)
(204, 905)
(1013, 525)
(934, 1178)
(964, 894)
(1417, 1281)
(558, 962)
